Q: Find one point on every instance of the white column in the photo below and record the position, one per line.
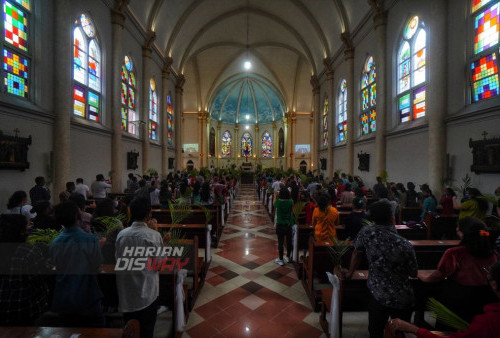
(164, 108)
(146, 76)
(380, 25)
(436, 99)
(117, 21)
(331, 124)
(349, 61)
(316, 135)
(177, 118)
(63, 96)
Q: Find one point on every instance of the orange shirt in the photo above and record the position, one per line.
(324, 223)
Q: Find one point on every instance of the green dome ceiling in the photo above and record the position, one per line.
(247, 99)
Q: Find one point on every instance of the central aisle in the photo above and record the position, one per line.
(245, 293)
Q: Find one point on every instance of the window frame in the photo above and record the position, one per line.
(371, 107)
(342, 93)
(413, 89)
(230, 142)
(324, 123)
(472, 57)
(153, 94)
(126, 130)
(266, 132)
(169, 105)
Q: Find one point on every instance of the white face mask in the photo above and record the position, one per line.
(115, 203)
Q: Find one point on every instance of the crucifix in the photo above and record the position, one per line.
(485, 133)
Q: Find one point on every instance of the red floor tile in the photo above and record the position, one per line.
(222, 321)
(204, 329)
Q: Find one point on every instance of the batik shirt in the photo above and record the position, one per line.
(391, 260)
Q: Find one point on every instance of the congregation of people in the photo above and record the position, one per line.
(56, 284)
(469, 270)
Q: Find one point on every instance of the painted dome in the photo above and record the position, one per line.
(247, 99)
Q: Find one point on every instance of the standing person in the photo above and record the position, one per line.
(429, 203)
(354, 222)
(44, 218)
(138, 290)
(77, 258)
(39, 192)
(391, 262)
(446, 202)
(70, 188)
(324, 219)
(378, 187)
(99, 187)
(284, 205)
(82, 189)
(473, 204)
(411, 196)
(17, 204)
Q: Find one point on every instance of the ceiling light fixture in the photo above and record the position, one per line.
(247, 64)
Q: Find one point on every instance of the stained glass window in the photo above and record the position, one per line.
(16, 54)
(226, 144)
(342, 112)
(267, 145)
(368, 98)
(484, 64)
(153, 111)
(86, 70)
(324, 124)
(170, 122)
(127, 97)
(411, 70)
(246, 144)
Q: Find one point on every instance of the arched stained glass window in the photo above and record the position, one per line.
(86, 70)
(127, 99)
(368, 116)
(226, 143)
(170, 122)
(153, 111)
(324, 124)
(246, 144)
(267, 145)
(484, 61)
(342, 112)
(16, 50)
(412, 71)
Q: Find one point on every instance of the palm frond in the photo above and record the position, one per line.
(445, 315)
(176, 240)
(178, 211)
(207, 212)
(111, 223)
(45, 236)
(338, 249)
(297, 209)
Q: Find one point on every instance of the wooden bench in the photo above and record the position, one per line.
(410, 214)
(441, 227)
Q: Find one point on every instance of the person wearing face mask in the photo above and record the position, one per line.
(24, 291)
(473, 205)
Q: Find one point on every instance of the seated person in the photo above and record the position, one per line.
(24, 293)
(324, 219)
(18, 204)
(354, 222)
(486, 324)
(467, 290)
(309, 208)
(44, 218)
(86, 218)
(77, 258)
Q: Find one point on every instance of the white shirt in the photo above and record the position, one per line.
(82, 189)
(99, 189)
(137, 289)
(276, 185)
(24, 210)
(155, 196)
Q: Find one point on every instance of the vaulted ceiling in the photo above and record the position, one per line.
(286, 41)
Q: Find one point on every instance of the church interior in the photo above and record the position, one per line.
(407, 90)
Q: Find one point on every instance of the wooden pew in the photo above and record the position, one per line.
(441, 227)
(410, 214)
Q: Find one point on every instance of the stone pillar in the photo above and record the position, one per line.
(177, 119)
(331, 122)
(117, 21)
(436, 99)
(349, 61)
(218, 144)
(163, 118)
(380, 25)
(63, 109)
(237, 145)
(316, 135)
(256, 153)
(311, 132)
(293, 138)
(288, 144)
(202, 135)
(146, 76)
(206, 133)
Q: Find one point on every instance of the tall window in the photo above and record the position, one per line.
(86, 70)
(484, 61)
(246, 144)
(411, 71)
(153, 111)
(267, 144)
(324, 124)
(170, 123)
(128, 91)
(342, 112)
(16, 50)
(368, 98)
(226, 144)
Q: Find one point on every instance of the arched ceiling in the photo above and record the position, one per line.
(289, 39)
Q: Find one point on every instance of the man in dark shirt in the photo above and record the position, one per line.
(77, 257)
(39, 192)
(391, 261)
(377, 188)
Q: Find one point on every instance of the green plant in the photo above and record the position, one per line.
(444, 315)
(178, 211)
(337, 250)
(466, 183)
(44, 236)
(151, 172)
(384, 176)
(112, 223)
(207, 212)
(297, 209)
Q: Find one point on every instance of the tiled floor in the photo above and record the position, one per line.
(246, 294)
